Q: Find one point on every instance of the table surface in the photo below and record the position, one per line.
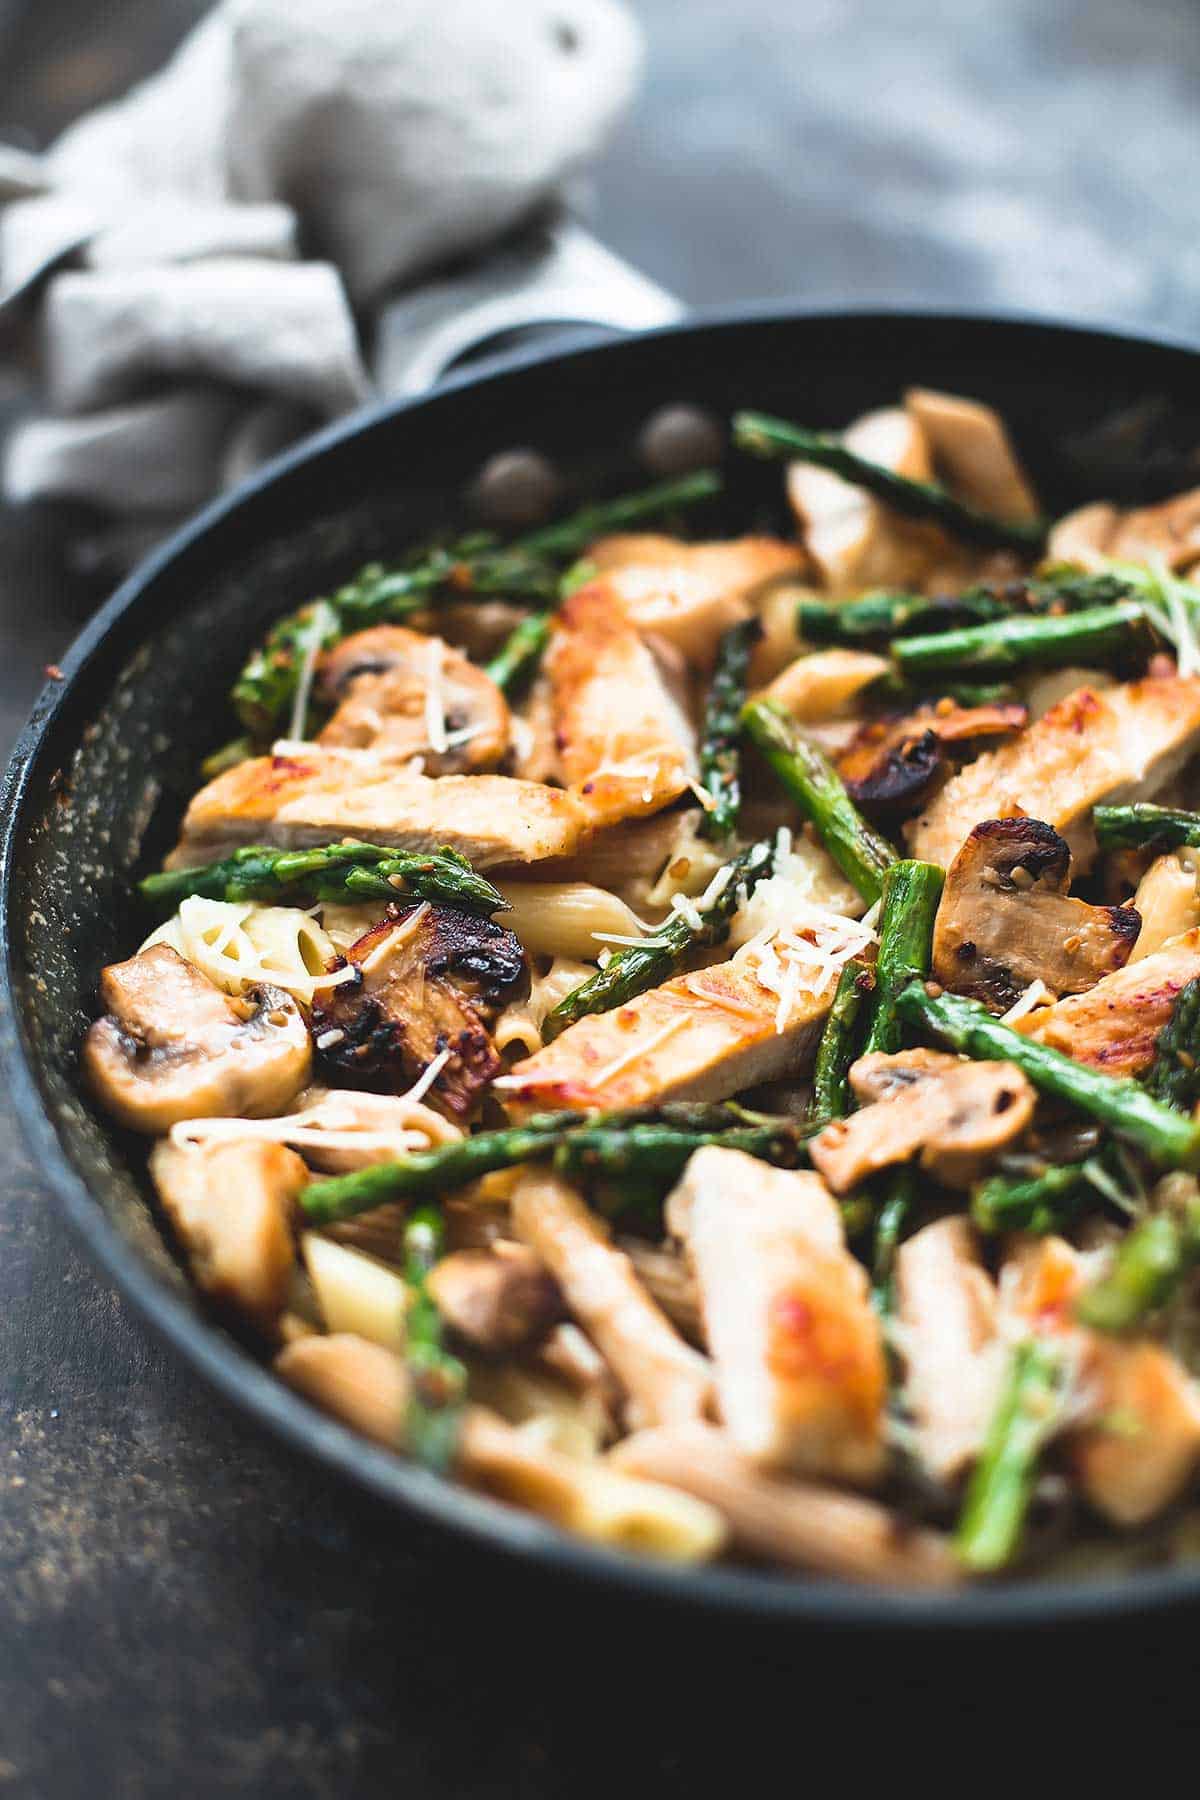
(186, 1608)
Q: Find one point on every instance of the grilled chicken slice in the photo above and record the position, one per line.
(688, 594)
(1114, 1027)
(231, 1207)
(432, 979)
(625, 745)
(361, 1383)
(827, 685)
(856, 541)
(172, 1046)
(498, 1299)
(665, 1379)
(952, 1353)
(793, 1522)
(796, 1348)
(1167, 902)
(703, 1036)
(893, 765)
(323, 795)
(402, 694)
(954, 1116)
(1123, 744)
(972, 453)
(1168, 532)
(1006, 919)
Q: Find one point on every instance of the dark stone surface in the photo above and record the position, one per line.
(185, 1608)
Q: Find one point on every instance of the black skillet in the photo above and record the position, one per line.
(100, 774)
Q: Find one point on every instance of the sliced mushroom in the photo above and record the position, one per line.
(956, 1120)
(855, 541)
(497, 1299)
(404, 695)
(972, 453)
(892, 765)
(1167, 902)
(1006, 919)
(231, 1207)
(172, 1046)
(432, 978)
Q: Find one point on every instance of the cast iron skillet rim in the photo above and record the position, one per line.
(244, 1382)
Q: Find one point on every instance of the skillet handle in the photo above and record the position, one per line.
(554, 277)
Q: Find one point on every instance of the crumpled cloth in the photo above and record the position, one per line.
(217, 237)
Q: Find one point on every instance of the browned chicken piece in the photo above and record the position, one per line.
(1006, 919)
(432, 980)
(664, 1378)
(955, 1120)
(360, 1383)
(498, 1299)
(796, 1348)
(827, 685)
(1114, 1027)
(1168, 532)
(1123, 744)
(404, 695)
(534, 745)
(625, 745)
(172, 1046)
(702, 1036)
(231, 1205)
(787, 1521)
(324, 795)
(1138, 1442)
(953, 1356)
(1167, 902)
(972, 453)
(893, 765)
(688, 594)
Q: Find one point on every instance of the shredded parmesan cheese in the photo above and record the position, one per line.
(1036, 994)
(435, 700)
(425, 1081)
(804, 957)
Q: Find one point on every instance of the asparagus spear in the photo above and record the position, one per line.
(1143, 826)
(346, 871)
(911, 891)
(439, 1380)
(1102, 634)
(528, 568)
(1169, 1140)
(1041, 1203)
(992, 1522)
(720, 754)
(831, 1098)
(1174, 1075)
(764, 436)
(881, 616)
(640, 1144)
(1146, 1271)
(519, 655)
(631, 971)
(817, 789)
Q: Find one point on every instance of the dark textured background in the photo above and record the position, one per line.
(184, 1608)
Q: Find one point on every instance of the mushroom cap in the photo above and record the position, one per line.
(387, 681)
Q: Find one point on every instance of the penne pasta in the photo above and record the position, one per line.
(566, 918)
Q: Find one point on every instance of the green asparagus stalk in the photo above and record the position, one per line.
(517, 659)
(1045, 1202)
(1174, 1075)
(720, 738)
(882, 616)
(1150, 1263)
(1102, 635)
(817, 789)
(227, 756)
(764, 436)
(347, 871)
(894, 1215)
(438, 1380)
(992, 1522)
(631, 971)
(911, 892)
(639, 1144)
(1169, 1140)
(831, 1097)
(529, 568)
(1144, 827)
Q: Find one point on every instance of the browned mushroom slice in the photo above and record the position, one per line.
(432, 978)
(1006, 919)
(497, 1299)
(404, 695)
(172, 1046)
(230, 1205)
(892, 765)
(955, 1119)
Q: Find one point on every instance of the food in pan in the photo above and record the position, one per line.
(700, 1039)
